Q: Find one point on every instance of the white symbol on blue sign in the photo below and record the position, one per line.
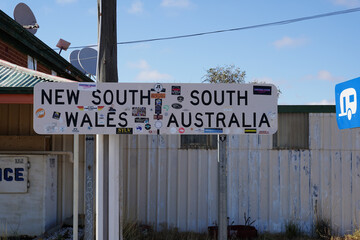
(348, 103)
(347, 115)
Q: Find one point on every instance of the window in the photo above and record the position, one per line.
(32, 63)
(351, 98)
(198, 142)
(293, 131)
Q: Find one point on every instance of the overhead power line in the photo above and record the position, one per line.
(283, 22)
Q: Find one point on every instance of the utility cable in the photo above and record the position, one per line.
(283, 22)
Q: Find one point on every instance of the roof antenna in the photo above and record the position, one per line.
(25, 17)
(63, 45)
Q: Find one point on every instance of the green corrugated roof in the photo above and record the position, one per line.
(14, 78)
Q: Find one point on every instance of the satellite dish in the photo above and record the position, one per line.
(25, 17)
(74, 60)
(88, 60)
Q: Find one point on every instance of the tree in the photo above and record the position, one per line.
(226, 74)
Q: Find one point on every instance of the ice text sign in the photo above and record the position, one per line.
(13, 174)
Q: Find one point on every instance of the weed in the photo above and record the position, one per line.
(131, 230)
(292, 230)
(271, 236)
(136, 231)
(323, 229)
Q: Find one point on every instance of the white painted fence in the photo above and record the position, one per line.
(165, 185)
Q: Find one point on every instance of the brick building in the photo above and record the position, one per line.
(36, 170)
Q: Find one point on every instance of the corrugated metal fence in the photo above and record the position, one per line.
(165, 185)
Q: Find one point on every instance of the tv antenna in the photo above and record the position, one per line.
(25, 17)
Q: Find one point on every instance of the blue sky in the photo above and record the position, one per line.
(304, 59)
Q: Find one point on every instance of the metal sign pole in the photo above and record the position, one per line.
(100, 187)
(114, 188)
(222, 186)
(76, 188)
(89, 188)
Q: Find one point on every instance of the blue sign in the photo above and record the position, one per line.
(347, 104)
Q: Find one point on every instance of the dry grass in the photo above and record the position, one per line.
(135, 231)
(354, 236)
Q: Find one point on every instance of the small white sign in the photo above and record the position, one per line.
(87, 86)
(13, 174)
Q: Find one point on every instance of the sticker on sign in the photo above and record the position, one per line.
(132, 108)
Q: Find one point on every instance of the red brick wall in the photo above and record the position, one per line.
(42, 68)
(12, 55)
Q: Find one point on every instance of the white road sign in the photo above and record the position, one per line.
(161, 108)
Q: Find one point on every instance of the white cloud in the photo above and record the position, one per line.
(289, 42)
(347, 3)
(324, 75)
(147, 74)
(65, 1)
(323, 102)
(137, 7)
(327, 76)
(176, 3)
(142, 65)
(152, 76)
